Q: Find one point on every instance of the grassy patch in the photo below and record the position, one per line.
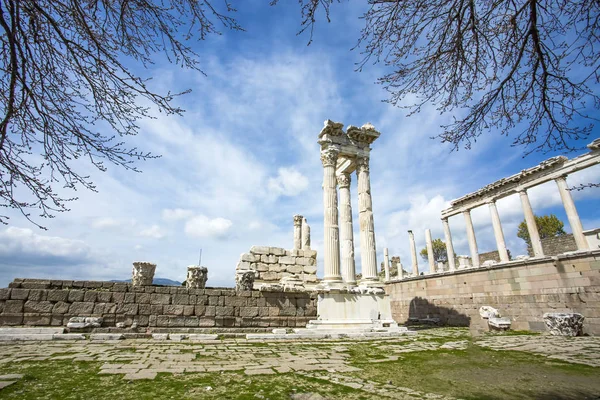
(80, 380)
(477, 373)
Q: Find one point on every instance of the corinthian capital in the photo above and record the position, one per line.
(362, 164)
(343, 180)
(329, 157)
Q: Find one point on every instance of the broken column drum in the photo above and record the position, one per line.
(196, 277)
(143, 273)
(343, 153)
(298, 232)
(305, 235)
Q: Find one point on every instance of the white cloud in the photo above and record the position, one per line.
(112, 223)
(203, 227)
(153, 232)
(24, 242)
(288, 182)
(176, 214)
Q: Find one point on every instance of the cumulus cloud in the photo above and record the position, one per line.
(288, 182)
(204, 227)
(176, 214)
(111, 223)
(152, 232)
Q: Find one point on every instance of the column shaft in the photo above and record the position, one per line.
(534, 236)
(572, 215)
(429, 242)
(297, 232)
(449, 245)
(498, 234)
(346, 231)
(386, 264)
(331, 245)
(413, 253)
(472, 240)
(368, 254)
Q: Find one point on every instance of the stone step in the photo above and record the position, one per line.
(32, 330)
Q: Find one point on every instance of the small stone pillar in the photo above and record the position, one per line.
(298, 232)
(386, 264)
(143, 273)
(196, 277)
(305, 235)
(413, 253)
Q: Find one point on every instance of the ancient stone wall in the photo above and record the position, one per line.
(490, 255)
(554, 245)
(53, 302)
(273, 263)
(521, 290)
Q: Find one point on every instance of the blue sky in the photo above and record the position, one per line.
(244, 159)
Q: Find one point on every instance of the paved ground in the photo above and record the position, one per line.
(143, 359)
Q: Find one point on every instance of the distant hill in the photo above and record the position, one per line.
(155, 281)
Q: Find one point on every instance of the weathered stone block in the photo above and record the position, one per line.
(287, 260)
(110, 308)
(38, 307)
(120, 287)
(278, 251)
(11, 319)
(248, 311)
(309, 269)
(210, 311)
(79, 308)
(118, 297)
(104, 297)
(142, 320)
(180, 299)
(13, 306)
(5, 294)
(199, 310)
(269, 276)
(188, 310)
(260, 250)
(173, 309)
(37, 319)
(162, 321)
(127, 308)
(243, 265)
(248, 257)
(129, 298)
(73, 295)
(224, 311)
(144, 309)
(60, 295)
(310, 253)
(202, 300)
(89, 296)
(215, 301)
(19, 294)
(287, 312)
(60, 308)
(176, 321)
(93, 284)
(261, 267)
(163, 290)
(156, 309)
(206, 322)
(35, 285)
(99, 308)
(268, 258)
(212, 292)
(157, 298)
(38, 295)
(235, 301)
(295, 269)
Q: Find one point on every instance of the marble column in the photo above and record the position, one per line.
(498, 234)
(365, 218)
(346, 230)
(305, 235)
(429, 242)
(331, 245)
(297, 232)
(534, 236)
(386, 264)
(413, 253)
(449, 245)
(471, 238)
(572, 215)
(400, 269)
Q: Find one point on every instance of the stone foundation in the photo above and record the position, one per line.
(54, 302)
(521, 290)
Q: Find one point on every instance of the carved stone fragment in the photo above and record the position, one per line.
(564, 324)
(143, 273)
(244, 280)
(196, 277)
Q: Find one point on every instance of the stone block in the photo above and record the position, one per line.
(5, 294)
(225, 321)
(248, 311)
(295, 269)
(60, 308)
(212, 292)
(248, 257)
(176, 321)
(142, 320)
(243, 265)
(14, 285)
(202, 300)
(287, 260)
(11, 319)
(38, 307)
(277, 267)
(188, 310)
(93, 284)
(110, 308)
(13, 306)
(210, 311)
(149, 289)
(199, 310)
(156, 309)
(79, 308)
(104, 297)
(73, 295)
(224, 311)
(144, 309)
(235, 301)
(36, 319)
(99, 308)
(38, 295)
(89, 296)
(278, 251)
(309, 278)
(269, 276)
(206, 322)
(129, 298)
(287, 311)
(190, 322)
(162, 321)
(310, 269)
(262, 267)
(162, 290)
(35, 285)
(157, 298)
(19, 294)
(180, 299)
(260, 250)
(173, 310)
(268, 258)
(310, 253)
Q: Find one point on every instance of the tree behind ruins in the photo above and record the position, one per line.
(548, 226)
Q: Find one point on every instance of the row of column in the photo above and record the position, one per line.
(339, 233)
(536, 243)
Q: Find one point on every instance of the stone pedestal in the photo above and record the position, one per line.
(196, 277)
(143, 273)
